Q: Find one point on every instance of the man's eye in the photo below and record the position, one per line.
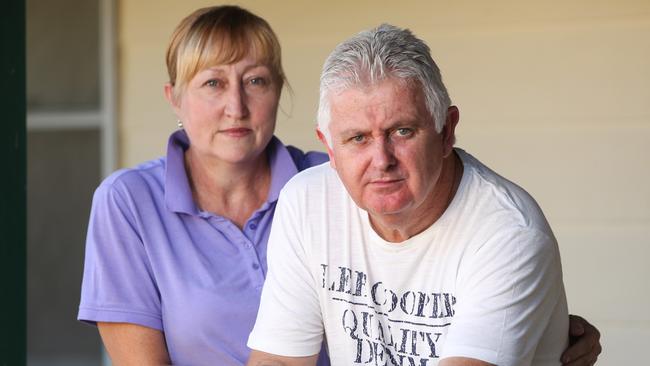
(404, 132)
(357, 138)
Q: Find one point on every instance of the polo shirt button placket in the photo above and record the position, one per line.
(259, 275)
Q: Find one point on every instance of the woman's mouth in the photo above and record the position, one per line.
(236, 132)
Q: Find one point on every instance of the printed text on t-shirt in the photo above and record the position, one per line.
(387, 326)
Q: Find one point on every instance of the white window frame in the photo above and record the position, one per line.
(103, 118)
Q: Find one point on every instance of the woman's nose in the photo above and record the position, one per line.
(236, 107)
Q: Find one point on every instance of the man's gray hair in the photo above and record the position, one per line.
(378, 54)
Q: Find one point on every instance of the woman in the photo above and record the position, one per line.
(176, 247)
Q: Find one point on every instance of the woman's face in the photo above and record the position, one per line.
(228, 111)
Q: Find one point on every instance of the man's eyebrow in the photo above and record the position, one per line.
(351, 132)
(405, 122)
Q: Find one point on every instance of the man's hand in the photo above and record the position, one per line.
(585, 343)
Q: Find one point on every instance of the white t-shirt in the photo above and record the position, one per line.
(484, 281)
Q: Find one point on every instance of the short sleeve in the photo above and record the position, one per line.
(118, 283)
(308, 159)
(510, 296)
(289, 321)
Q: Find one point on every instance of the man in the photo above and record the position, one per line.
(405, 251)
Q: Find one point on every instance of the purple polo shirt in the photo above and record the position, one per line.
(154, 259)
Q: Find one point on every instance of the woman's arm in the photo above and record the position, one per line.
(131, 344)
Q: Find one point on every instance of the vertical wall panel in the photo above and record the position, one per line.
(12, 184)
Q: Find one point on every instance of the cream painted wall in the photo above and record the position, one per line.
(554, 95)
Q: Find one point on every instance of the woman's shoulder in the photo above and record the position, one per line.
(304, 160)
(134, 180)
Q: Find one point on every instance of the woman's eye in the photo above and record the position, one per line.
(258, 81)
(213, 83)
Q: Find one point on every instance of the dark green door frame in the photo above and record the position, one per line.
(12, 185)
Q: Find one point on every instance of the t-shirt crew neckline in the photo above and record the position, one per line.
(426, 236)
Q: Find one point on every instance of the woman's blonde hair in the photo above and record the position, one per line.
(221, 35)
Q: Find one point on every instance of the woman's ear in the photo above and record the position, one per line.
(171, 97)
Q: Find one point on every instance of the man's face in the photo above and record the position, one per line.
(385, 149)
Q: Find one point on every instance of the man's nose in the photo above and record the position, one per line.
(383, 154)
(236, 107)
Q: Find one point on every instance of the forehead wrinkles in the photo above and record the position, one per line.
(381, 108)
(393, 103)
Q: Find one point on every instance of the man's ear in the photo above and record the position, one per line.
(322, 139)
(171, 98)
(449, 131)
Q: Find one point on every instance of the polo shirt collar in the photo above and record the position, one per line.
(282, 166)
(178, 194)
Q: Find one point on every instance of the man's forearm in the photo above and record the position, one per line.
(259, 358)
(463, 361)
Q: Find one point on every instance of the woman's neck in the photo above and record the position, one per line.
(233, 191)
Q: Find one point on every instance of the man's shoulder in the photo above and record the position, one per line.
(317, 181)
(497, 194)
(311, 176)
